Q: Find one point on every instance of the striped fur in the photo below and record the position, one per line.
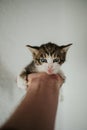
(46, 58)
(49, 49)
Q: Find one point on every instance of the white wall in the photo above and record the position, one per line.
(35, 22)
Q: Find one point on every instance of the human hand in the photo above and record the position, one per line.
(45, 80)
(39, 106)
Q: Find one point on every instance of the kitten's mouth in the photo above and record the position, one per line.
(50, 71)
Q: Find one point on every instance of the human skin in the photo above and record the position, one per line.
(38, 109)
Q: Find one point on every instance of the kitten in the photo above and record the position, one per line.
(46, 58)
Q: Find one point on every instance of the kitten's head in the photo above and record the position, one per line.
(49, 57)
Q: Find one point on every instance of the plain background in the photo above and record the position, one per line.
(35, 22)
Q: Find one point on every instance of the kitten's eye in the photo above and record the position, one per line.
(43, 60)
(56, 60)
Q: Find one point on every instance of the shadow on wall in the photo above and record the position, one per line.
(7, 81)
(10, 94)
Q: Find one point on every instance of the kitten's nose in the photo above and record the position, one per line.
(50, 69)
(50, 66)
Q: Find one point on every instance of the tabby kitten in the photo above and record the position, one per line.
(46, 58)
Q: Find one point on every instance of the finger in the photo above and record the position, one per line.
(36, 75)
(60, 81)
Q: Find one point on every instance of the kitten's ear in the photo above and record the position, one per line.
(33, 49)
(65, 47)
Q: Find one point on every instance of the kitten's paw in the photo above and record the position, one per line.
(22, 83)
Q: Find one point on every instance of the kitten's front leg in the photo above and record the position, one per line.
(61, 73)
(22, 79)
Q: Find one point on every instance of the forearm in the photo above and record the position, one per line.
(37, 110)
